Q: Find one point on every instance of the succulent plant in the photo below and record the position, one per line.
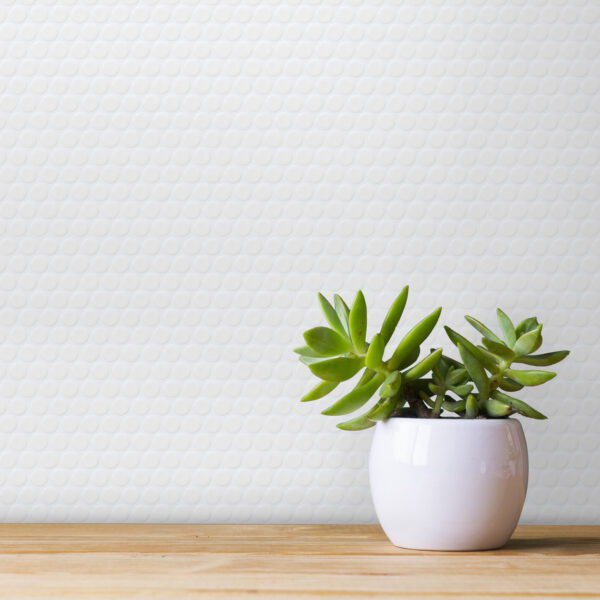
(337, 353)
(437, 383)
(490, 366)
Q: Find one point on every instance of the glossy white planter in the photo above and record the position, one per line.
(448, 484)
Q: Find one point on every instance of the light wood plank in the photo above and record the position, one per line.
(286, 561)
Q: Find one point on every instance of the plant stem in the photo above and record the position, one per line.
(437, 409)
(497, 377)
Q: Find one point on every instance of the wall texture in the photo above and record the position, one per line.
(177, 182)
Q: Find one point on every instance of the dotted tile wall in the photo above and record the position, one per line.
(178, 180)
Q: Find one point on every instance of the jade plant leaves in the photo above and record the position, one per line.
(499, 349)
(383, 409)
(414, 338)
(485, 332)
(391, 385)
(543, 360)
(356, 424)
(375, 352)
(483, 357)
(518, 405)
(456, 376)
(306, 351)
(337, 369)
(437, 383)
(476, 371)
(530, 377)
(495, 408)
(356, 398)
(332, 317)
(508, 329)
(526, 326)
(471, 408)
(320, 391)
(393, 317)
(424, 366)
(510, 385)
(526, 343)
(326, 342)
(410, 359)
(358, 322)
(343, 312)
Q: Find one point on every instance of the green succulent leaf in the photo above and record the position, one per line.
(366, 377)
(375, 352)
(526, 326)
(508, 329)
(537, 344)
(495, 408)
(483, 330)
(410, 359)
(520, 406)
(356, 424)
(499, 349)
(332, 316)
(356, 398)
(442, 368)
(391, 385)
(311, 360)
(493, 360)
(526, 343)
(393, 317)
(436, 389)
(320, 391)
(509, 385)
(457, 376)
(476, 372)
(413, 339)
(326, 342)
(306, 351)
(343, 312)
(461, 390)
(337, 369)
(383, 409)
(484, 357)
(543, 360)
(358, 322)
(454, 406)
(424, 366)
(532, 377)
(471, 408)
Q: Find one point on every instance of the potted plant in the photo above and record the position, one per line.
(448, 466)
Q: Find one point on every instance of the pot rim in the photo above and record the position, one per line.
(464, 421)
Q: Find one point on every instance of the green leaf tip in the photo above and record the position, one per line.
(414, 338)
(508, 329)
(332, 317)
(324, 388)
(358, 322)
(394, 315)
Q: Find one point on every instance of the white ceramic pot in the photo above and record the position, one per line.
(448, 484)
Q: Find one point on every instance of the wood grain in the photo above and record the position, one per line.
(286, 561)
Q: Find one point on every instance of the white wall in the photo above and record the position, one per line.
(178, 181)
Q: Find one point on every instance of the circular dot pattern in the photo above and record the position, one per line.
(178, 181)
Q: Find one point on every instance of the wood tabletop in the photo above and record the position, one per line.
(286, 561)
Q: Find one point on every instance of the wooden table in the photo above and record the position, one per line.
(286, 561)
